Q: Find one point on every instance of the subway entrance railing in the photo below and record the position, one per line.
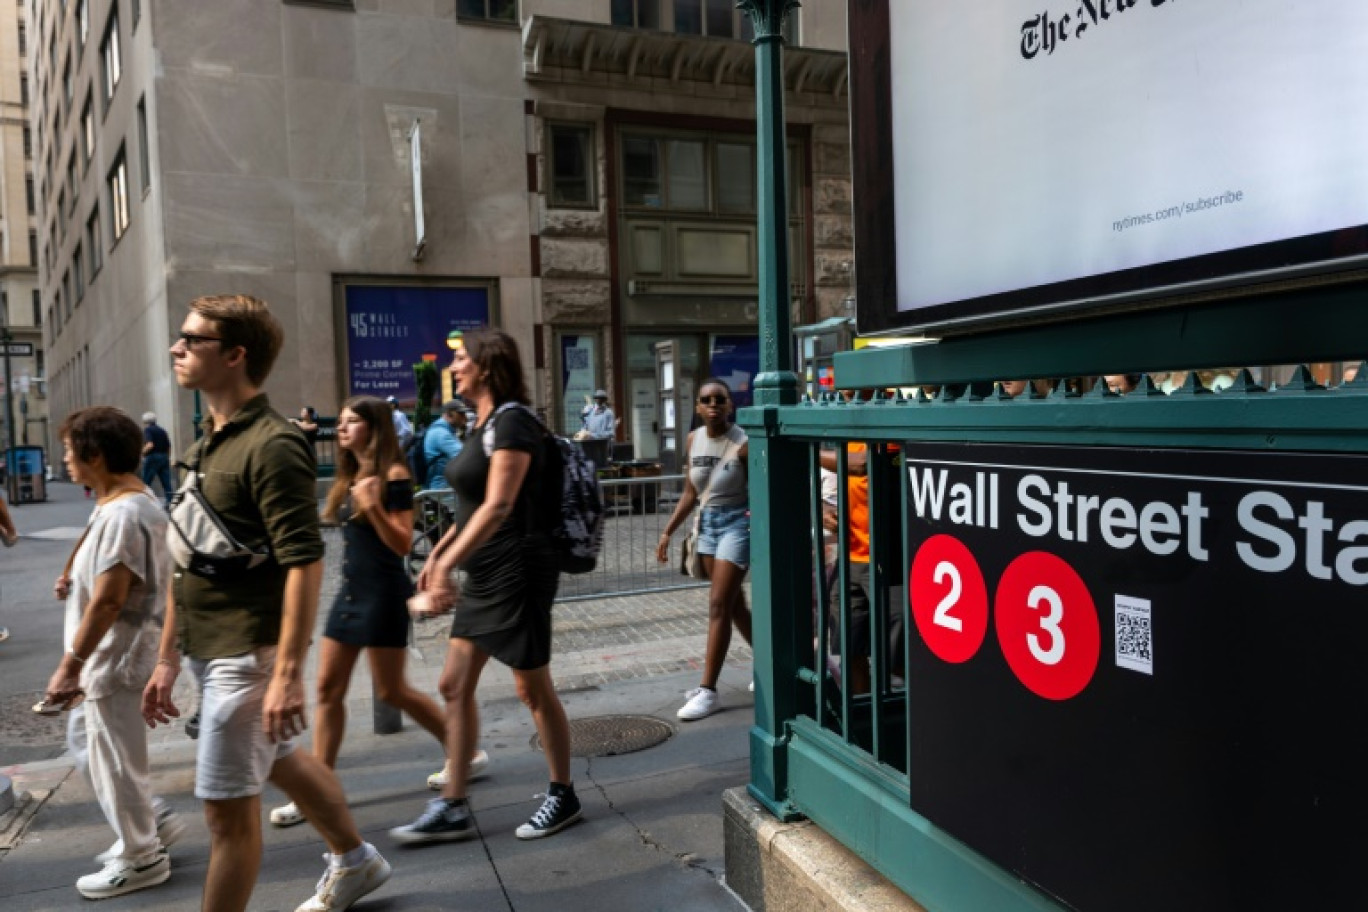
(994, 752)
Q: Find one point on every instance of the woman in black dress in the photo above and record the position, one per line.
(504, 608)
(373, 500)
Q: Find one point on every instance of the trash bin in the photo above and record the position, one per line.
(596, 451)
(26, 478)
(645, 494)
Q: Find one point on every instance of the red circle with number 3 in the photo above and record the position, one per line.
(1047, 625)
(948, 598)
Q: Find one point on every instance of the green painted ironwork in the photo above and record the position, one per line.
(817, 750)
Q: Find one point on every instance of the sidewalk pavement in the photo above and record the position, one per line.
(651, 838)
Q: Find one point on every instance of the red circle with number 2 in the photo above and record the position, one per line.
(1047, 625)
(949, 599)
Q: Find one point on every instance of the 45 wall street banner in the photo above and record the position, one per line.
(1137, 677)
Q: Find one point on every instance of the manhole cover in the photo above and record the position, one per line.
(608, 736)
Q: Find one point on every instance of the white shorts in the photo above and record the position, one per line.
(235, 756)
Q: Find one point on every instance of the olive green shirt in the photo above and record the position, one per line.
(258, 473)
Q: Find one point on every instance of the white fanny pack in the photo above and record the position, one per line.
(199, 540)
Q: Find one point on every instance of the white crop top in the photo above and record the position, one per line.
(728, 486)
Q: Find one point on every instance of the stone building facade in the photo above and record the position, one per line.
(23, 413)
(586, 171)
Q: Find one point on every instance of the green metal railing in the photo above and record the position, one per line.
(822, 751)
(842, 759)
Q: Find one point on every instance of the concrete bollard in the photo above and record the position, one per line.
(386, 719)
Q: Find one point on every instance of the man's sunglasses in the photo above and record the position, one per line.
(193, 339)
(712, 400)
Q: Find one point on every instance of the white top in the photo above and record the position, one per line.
(130, 531)
(728, 485)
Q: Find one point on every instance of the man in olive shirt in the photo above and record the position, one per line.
(245, 635)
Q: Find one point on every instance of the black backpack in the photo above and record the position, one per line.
(571, 504)
(417, 457)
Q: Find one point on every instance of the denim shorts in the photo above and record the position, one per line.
(724, 534)
(235, 756)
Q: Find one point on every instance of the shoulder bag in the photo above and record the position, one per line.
(690, 561)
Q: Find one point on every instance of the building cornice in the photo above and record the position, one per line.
(591, 53)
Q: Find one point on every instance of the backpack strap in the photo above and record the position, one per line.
(487, 438)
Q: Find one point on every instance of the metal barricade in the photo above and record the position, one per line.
(637, 510)
(433, 514)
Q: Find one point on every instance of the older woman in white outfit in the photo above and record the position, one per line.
(115, 593)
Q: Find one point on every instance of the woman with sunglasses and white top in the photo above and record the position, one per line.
(717, 476)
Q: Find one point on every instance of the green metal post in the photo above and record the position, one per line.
(777, 467)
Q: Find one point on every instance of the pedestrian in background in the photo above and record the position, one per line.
(246, 633)
(156, 455)
(442, 443)
(717, 476)
(9, 534)
(504, 607)
(307, 422)
(597, 419)
(403, 428)
(372, 499)
(114, 587)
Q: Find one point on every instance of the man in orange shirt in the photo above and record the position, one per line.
(859, 590)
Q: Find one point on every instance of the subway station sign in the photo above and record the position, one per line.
(1137, 678)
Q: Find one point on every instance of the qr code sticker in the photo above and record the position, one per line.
(1134, 634)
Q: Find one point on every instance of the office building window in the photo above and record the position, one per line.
(88, 130)
(735, 177)
(78, 270)
(28, 142)
(637, 13)
(68, 89)
(82, 22)
(718, 18)
(71, 178)
(94, 242)
(37, 311)
(29, 196)
(137, 12)
(489, 10)
(144, 160)
(572, 164)
(23, 89)
(666, 173)
(118, 197)
(109, 53)
(23, 39)
(66, 292)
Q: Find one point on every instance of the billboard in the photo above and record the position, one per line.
(1067, 155)
(390, 327)
(1135, 676)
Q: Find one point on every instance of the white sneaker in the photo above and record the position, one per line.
(701, 704)
(340, 888)
(170, 828)
(478, 764)
(287, 815)
(124, 875)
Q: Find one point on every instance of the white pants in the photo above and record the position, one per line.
(108, 737)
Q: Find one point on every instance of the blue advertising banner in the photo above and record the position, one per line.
(736, 360)
(391, 327)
